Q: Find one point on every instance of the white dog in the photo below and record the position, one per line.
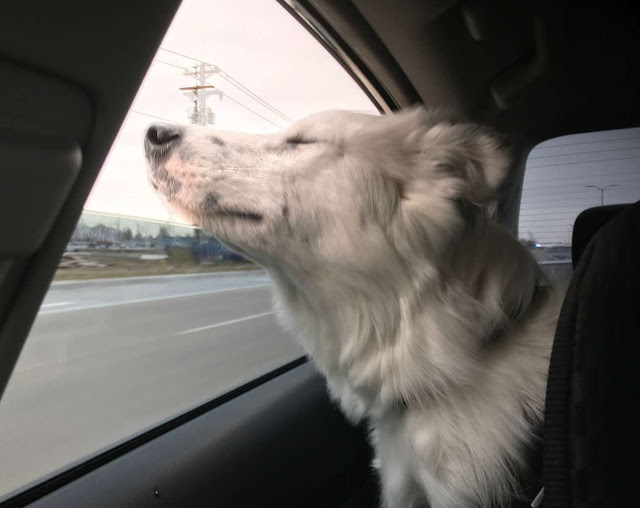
(426, 318)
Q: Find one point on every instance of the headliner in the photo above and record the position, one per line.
(541, 69)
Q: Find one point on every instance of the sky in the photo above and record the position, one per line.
(258, 44)
(261, 46)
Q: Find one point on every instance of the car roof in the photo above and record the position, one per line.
(541, 69)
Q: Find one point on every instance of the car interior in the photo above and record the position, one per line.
(534, 69)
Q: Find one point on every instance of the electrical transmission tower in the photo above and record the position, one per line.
(201, 114)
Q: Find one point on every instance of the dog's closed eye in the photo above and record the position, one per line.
(299, 140)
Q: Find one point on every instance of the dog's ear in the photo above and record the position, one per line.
(450, 164)
(476, 155)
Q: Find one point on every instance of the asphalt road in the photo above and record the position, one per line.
(108, 359)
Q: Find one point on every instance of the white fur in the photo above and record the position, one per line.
(422, 313)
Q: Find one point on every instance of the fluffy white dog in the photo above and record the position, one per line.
(426, 317)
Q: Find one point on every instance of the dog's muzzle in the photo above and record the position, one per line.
(160, 139)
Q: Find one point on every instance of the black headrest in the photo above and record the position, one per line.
(587, 225)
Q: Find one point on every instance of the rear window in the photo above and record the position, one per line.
(567, 175)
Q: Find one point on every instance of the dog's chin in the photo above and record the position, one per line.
(233, 226)
(219, 220)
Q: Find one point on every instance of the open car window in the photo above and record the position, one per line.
(567, 175)
(148, 316)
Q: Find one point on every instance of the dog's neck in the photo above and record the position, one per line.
(420, 336)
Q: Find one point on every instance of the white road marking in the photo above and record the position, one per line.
(224, 323)
(142, 300)
(57, 304)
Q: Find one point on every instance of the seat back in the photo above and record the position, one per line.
(594, 377)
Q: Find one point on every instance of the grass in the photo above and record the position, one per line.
(133, 266)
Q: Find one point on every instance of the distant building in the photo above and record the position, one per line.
(111, 231)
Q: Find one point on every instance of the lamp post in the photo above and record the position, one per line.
(602, 189)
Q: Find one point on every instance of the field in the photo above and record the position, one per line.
(100, 264)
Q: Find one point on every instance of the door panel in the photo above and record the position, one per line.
(280, 444)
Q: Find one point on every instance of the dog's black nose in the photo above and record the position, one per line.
(159, 135)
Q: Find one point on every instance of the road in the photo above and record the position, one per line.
(108, 359)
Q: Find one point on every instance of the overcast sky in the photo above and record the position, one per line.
(262, 47)
(257, 43)
(558, 170)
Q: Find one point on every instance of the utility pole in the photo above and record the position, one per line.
(602, 189)
(201, 115)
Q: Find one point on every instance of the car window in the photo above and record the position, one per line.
(567, 175)
(148, 316)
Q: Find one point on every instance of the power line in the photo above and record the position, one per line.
(168, 63)
(255, 97)
(563, 189)
(554, 211)
(575, 202)
(562, 200)
(225, 93)
(548, 227)
(536, 208)
(554, 217)
(227, 96)
(153, 116)
(532, 209)
(581, 162)
(555, 229)
(583, 143)
(580, 153)
(538, 214)
(237, 84)
(182, 55)
(544, 221)
(529, 179)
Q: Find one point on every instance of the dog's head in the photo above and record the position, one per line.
(358, 193)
